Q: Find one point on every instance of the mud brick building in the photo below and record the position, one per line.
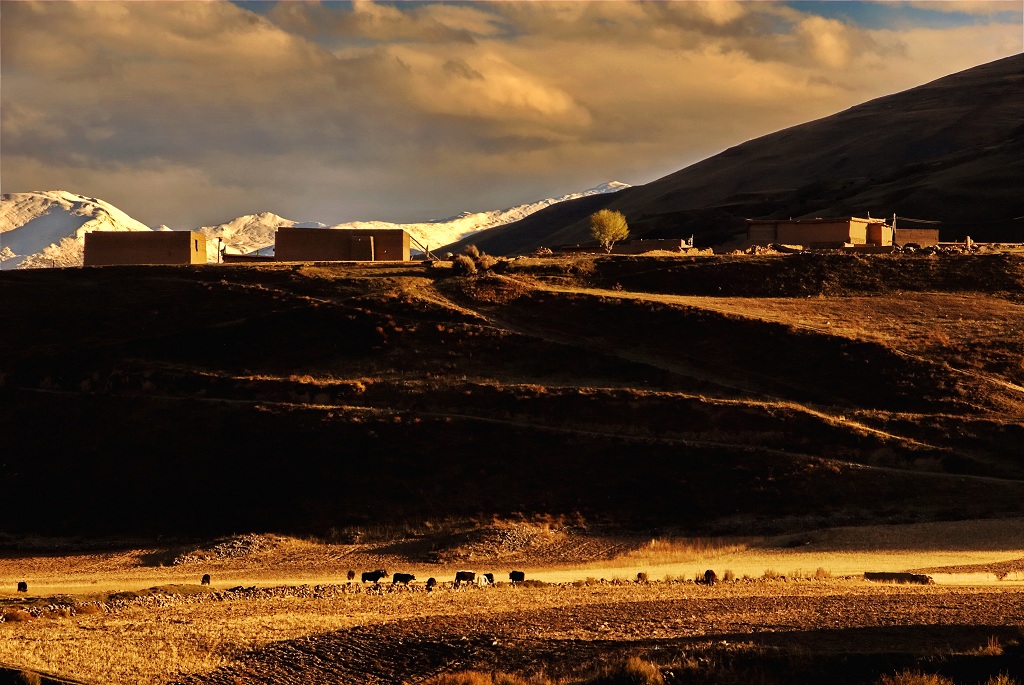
(107, 248)
(293, 244)
(820, 233)
(922, 237)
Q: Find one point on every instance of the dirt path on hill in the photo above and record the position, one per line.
(720, 305)
(495, 319)
(703, 373)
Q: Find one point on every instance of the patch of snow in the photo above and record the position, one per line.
(48, 228)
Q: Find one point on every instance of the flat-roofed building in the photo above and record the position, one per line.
(820, 233)
(292, 244)
(108, 248)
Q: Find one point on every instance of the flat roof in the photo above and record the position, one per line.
(816, 220)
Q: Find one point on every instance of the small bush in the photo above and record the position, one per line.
(15, 615)
(641, 577)
(822, 574)
(728, 576)
(771, 574)
(486, 262)
(634, 671)
(914, 678)
(463, 264)
(472, 251)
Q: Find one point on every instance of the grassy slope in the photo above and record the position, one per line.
(299, 398)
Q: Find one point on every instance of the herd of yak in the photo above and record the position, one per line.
(461, 578)
(483, 579)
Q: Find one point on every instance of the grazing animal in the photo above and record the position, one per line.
(464, 577)
(374, 576)
(710, 578)
(206, 579)
(403, 578)
(517, 576)
(22, 586)
(431, 584)
(351, 575)
(488, 579)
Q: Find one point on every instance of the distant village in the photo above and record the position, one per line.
(295, 244)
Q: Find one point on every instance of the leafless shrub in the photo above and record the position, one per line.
(486, 262)
(728, 576)
(464, 265)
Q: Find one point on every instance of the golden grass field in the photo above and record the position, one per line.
(164, 640)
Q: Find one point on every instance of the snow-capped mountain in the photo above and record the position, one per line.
(248, 234)
(434, 234)
(48, 228)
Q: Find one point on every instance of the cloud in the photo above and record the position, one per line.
(372, 21)
(180, 110)
(970, 7)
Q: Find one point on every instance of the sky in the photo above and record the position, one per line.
(192, 113)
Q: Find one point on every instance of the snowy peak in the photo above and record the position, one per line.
(48, 228)
(242, 235)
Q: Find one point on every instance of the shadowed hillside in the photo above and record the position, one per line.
(950, 151)
(304, 397)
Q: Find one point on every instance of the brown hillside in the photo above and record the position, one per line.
(300, 398)
(950, 151)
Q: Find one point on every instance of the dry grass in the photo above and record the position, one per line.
(660, 551)
(991, 648)
(914, 678)
(972, 331)
(151, 645)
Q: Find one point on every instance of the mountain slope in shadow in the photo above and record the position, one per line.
(951, 151)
